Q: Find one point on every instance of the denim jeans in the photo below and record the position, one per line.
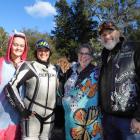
(117, 128)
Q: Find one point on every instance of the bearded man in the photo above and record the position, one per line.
(119, 85)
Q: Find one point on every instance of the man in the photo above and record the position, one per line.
(119, 85)
(16, 53)
(37, 107)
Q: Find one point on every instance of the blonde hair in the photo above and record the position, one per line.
(63, 63)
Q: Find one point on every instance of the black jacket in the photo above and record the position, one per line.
(119, 80)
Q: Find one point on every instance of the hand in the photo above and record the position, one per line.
(26, 113)
(33, 114)
(135, 126)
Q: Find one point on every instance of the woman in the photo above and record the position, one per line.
(9, 117)
(58, 132)
(80, 101)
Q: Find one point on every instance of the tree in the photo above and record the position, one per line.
(74, 25)
(124, 13)
(135, 35)
(63, 30)
(85, 27)
(3, 41)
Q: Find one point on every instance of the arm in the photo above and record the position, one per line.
(12, 89)
(60, 81)
(135, 123)
(137, 70)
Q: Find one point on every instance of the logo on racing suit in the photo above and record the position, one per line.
(46, 74)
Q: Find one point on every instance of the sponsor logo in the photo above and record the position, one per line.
(46, 74)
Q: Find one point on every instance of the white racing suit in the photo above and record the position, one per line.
(40, 83)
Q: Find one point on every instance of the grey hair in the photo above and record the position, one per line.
(85, 45)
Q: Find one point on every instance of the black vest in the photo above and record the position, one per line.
(118, 84)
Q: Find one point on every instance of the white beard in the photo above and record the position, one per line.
(110, 45)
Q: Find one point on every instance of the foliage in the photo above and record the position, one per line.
(3, 41)
(74, 25)
(77, 23)
(97, 51)
(32, 36)
(84, 26)
(124, 13)
(63, 32)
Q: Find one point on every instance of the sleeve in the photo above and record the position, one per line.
(12, 89)
(60, 76)
(104, 56)
(137, 70)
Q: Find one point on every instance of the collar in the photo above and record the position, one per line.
(43, 63)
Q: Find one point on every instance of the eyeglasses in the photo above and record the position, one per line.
(86, 54)
(16, 45)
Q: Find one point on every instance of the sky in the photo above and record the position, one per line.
(28, 14)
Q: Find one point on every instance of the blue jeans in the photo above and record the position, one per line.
(116, 128)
